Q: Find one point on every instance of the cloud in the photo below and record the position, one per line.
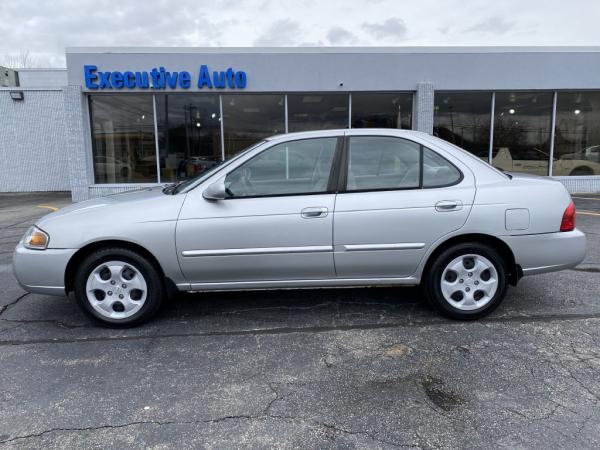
(340, 36)
(283, 32)
(494, 25)
(45, 28)
(394, 28)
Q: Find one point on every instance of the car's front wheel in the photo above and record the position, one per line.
(466, 281)
(118, 287)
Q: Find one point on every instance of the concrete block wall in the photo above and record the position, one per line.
(33, 155)
(80, 169)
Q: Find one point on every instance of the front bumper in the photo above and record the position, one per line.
(41, 271)
(540, 253)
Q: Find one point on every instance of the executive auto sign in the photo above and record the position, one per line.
(160, 78)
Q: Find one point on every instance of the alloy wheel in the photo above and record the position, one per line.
(116, 289)
(469, 282)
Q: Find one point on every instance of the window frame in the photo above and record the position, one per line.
(342, 187)
(332, 180)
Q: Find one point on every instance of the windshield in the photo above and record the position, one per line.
(187, 185)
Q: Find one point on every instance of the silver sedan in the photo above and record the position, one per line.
(307, 210)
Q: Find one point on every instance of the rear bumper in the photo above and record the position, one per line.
(540, 253)
(41, 271)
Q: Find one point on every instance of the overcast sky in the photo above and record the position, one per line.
(45, 28)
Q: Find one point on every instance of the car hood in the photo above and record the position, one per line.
(141, 205)
(126, 216)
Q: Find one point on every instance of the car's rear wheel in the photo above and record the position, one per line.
(466, 281)
(118, 287)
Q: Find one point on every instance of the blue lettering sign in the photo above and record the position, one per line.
(161, 79)
(129, 80)
(219, 80)
(90, 76)
(117, 80)
(185, 80)
(204, 78)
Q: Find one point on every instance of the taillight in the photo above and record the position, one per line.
(568, 219)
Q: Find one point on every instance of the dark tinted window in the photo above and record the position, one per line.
(522, 122)
(249, 118)
(379, 162)
(123, 144)
(189, 134)
(295, 167)
(577, 135)
(437, 171)
(317, 111)
(382, 110)
(464, 119)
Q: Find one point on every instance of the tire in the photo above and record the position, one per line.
(118, 287)
(463, 294)
(582, 171)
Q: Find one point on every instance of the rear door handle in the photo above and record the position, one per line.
(448, 205)
(314, 212)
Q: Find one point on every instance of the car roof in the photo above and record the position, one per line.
(348, 132)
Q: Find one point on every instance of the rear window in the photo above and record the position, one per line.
(437, 171)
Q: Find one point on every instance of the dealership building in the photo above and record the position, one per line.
(121, 118)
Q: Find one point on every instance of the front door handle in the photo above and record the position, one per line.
(448, 205)
(314, 212)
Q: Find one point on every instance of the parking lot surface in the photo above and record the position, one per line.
(339, 368)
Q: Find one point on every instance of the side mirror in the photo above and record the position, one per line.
(215, 191)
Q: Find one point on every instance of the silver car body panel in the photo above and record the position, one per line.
(362, 238)
(248, 238)
(41, 271)
(395, 223)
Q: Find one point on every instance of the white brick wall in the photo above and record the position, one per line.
(33, 155)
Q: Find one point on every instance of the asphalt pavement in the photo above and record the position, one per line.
(339, 368)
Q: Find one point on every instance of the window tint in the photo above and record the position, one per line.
(577, 134)
(437, 171)
(378, 162)
(522, 128)
(317, 111)
(382, 110)
(189, 134)
(464, 118)
(123, 144)
(295, 167)
(248, 118)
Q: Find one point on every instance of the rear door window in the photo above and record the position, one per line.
(382, 162)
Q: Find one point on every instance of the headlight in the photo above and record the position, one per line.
(36, 239)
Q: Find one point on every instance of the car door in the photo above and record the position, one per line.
(275, 223)
(397, 198)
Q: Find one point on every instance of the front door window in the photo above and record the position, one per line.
(290, 168)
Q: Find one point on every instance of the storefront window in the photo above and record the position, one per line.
(317, 111)
(382, 110)
(577, 134)
(189, 134)
(123, 145)
(249, 118)
(464, 119)
(522, 122)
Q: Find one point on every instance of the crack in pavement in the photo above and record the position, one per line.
(4, 308)
(547, 318)
(314, 423)
(60, 323)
